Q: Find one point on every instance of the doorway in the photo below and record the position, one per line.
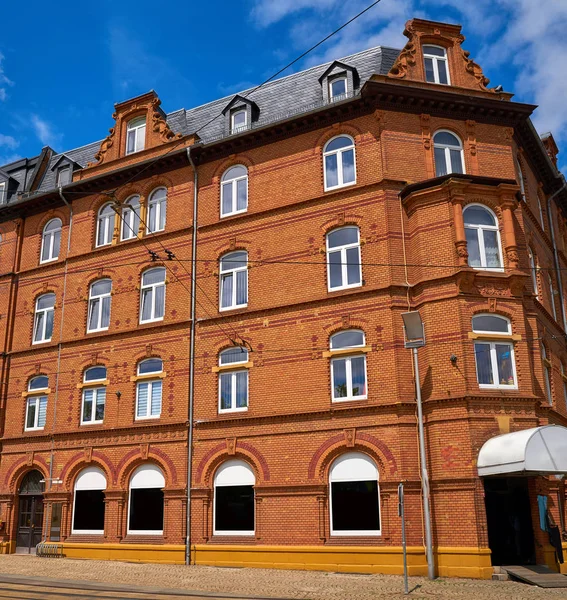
(30, 513)
(509, 521)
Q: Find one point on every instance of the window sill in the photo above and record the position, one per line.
(41, 342)
(88, 423)
(150, 321)
(234, 534)
(143, 533)
(234, 214)
(497, 387)
(495, 337)
(43, 392)
(344, 351)
(148, 376)
(340, 400)
(355, 534)
(237, 307)
(31, 429)
(227, 411)
(152, 418)
(339, 187)
(46, 262)
(100, 383)
(233, 367)
(89, 331)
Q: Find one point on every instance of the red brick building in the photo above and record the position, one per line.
(327, 203)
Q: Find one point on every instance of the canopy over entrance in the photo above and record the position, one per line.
(541, 450)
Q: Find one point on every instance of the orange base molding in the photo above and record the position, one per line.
(170, 554)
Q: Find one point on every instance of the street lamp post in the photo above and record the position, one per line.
(414, 339)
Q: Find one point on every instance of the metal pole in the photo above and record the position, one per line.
(424, 476)
(404, 546)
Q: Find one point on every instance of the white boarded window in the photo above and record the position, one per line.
(145, 505)
(234, 499)
(88, 502)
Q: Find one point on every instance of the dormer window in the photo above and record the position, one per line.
(136, 135)
(63, 175)
(238, 121)
(436, 68)
(338, 88)
(3, 192)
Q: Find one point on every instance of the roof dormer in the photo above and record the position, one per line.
(239, 114)
(8, 186)
(338, 81)
(63, 168)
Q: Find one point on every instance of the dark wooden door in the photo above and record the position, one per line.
(30, 512)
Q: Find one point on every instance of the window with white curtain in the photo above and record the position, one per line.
(51, 241)
(157, 206)
(234, 280)
(343, 258)
(94, 395)
(149, 391)
(234, 191)
(448, 153)
(495, 361)
(136, 135)
(99, 305)
(105, 225)
(130, 218)
(88, 502)
(483, 238)
(339, 162)
(152, 297)
(233, 384)
(233, 508)
(145, 502)
(348, 372)
(43, 321)
(36, 406)
(436, 66)
(354, 505)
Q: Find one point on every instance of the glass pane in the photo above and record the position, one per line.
(355, 506)
(156, 399)
(162, 211)
(429, 73)
(347, 339)
(32, 407)
(478, 215)
(100, 398)
(440, 162)
(456, 161)
(239, 119)
(473, 247)
(152, 214)
(241, 287)
(140, 138)
(358, 376)
(433, 50)
(353, 265)
(338, 143)
(233, 355)
(46, 301)
(241, 389)
(234, 508)
(241, 199)
(49, 323)
(491, 249)
(146, 510)
(348, 166)
(442, 68)
(131, 142)
(227, 198)
(234, 260)
(127, 225)
(483, 364)
(160, 302)
(56, 244)
(504, 361)
(89, 510)
(339, 378)
(331, 172)
(225, 390)
(95, 307)
(42, 415)
(335, 270)
(234, 172)
(490, 323)
(39, 319)
(152, 365)
(95, 374)
(226, 290)
(342, 237)
(38, 383)
(105, 321)
(142, 400)
(444, 138)
(45, 253)
(147, 296)
(338, 88)
(153, 276)
(87, 405)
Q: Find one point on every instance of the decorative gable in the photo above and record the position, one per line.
(338, 70)
(464, 72)
(239, 104)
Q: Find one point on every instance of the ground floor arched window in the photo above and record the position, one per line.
(145, 505)
(88, 504)
(234, 499)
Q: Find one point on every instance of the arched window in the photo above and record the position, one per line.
(483, 238)
(157, 205)
(36, 405)
(540, 210)
(343, 258)
(105, 225)
(233, 383)
(94, 395)
(552, 296)
(99, 305)
(435, 61)
(152, 297)
(520, 176)
(136, 135)
(339, 162)
(338, 88)
(88, 504)
(149, 391)
(448, 152)
(533, 272)
(43, 322)
(145, 506)
(130, 218)
(51, 241)
(354, 494)
(547, 372)
(495, 362)
(234, 499)
(348, 373)
(234, 191)
(234, 280)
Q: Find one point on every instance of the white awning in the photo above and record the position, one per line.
(541, 450)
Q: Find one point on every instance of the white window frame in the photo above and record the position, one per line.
(3, 192)
(435, 59)
(100, 298)
(552, 296)
(520, 174)
(37, 311)
(233, 408)
(136, 126)
(480, 234)
(153, 287)
(533, 269)
(339, 154)
(230, 462)
(447, 152)
(344, 267)
(49, 238)
(60, 172)
(149, 381)
(36, 400)
(234, 187)
(161, 207)
(86, 531)
(224, 274)
(139, 469)
(130, 214)
(546, 374)
(542, 222)
(338, 97)
(107, 221)
(94, 386)
(239, 128)
(347, 357)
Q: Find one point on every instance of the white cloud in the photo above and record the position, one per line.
(7, 146)
(44, 131)
(8, 141)
(4, 81)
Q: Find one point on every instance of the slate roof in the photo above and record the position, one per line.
(277, 100)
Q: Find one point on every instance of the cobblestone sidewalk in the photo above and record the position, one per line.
(272, 583)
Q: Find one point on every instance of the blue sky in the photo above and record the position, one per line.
(61, 70)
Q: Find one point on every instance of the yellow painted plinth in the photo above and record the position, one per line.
(463, 562)
(170, 554)
(8, 547)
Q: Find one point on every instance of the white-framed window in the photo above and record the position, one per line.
(436, 66)
(43, 322)
(448, 153)
(152, 295)
(520, 176)
(234, 191)
(94, 396)
(3, 193)
(234, 280)
(495, 361)
(547, 372)
(99, 305)
(36, 406)
(105, 225)
(354, 505)
(145, 502)
(234, 506)
(51, 241)
(540, 210)
(552, 296)
(483, 238)
(339, 162)
(238, 121)
(533, 272)
(343, 258)
(157, 208)
(88, 502)
(136, 135)
(63, 175)
(348, 373)
(338, 88)
(149, 391)
(130, 218)
(233, 384)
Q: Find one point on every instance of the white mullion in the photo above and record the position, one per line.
(233, 391)
(435, 70)
(348, 374)
(482, 250)
(153, 305)
(344, 270)
(494, 361)
(233, 299)
(234, 192)
(340, 167)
